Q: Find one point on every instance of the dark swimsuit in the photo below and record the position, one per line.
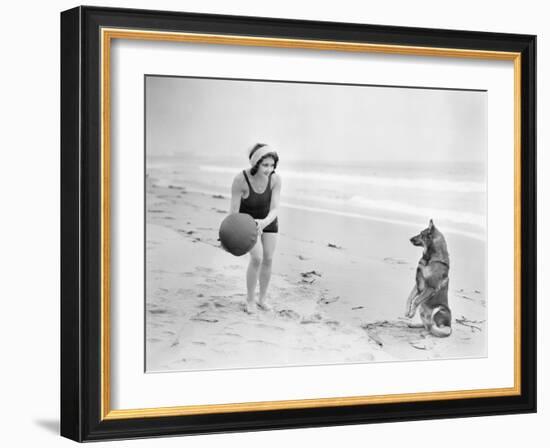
(257, 205)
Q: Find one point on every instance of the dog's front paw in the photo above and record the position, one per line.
(409, 313)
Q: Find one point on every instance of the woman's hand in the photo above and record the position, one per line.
(260, 225)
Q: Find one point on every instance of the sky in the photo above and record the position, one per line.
(327, 122)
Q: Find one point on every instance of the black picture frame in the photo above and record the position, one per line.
(82, 409)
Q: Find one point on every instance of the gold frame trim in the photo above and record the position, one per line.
(107, 35)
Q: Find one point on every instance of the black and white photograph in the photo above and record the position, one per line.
(295, 223)
(286, 223)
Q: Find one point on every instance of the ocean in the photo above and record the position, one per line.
(452, 194)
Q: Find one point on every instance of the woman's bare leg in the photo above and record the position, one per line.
(252, 275)
(269, 242)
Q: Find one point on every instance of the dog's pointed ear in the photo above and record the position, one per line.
(431, 225)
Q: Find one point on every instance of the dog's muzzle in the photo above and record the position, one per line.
(416, 241)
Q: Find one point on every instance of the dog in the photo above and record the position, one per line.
(430, 291)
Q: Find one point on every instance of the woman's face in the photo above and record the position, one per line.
(266, 166)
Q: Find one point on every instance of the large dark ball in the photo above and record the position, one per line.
(238, 233)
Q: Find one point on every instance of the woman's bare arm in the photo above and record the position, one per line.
(236, 193)
(274, 206)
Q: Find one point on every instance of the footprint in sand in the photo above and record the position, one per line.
(392, 260)
(208, 320)
(158, 311)
(233, 335)
(261, 342)
(188, 360)
(270, 327)
(308, 274)
(289, 314)
(184, 291)
(328, 300)
(308, 281)
(238, 294)
(202, 317)
(313, 319)
(186, 232)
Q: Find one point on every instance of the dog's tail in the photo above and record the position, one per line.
(441, 318)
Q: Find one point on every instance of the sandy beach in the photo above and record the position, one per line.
(338, 290)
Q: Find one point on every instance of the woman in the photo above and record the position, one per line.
(256, 191)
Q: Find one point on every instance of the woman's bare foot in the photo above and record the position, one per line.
(250, 306)
(263, 305)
